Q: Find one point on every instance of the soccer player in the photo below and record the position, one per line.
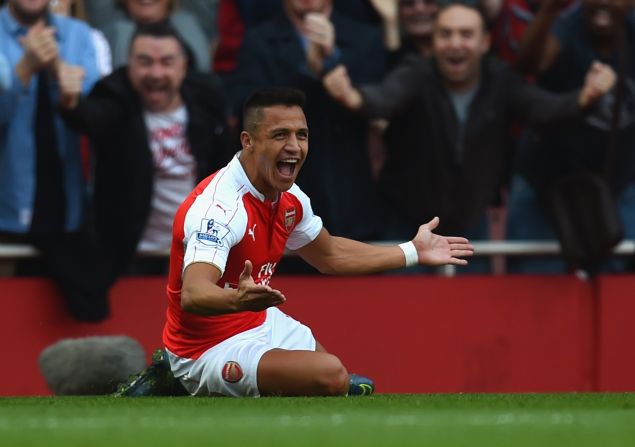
(224, 332)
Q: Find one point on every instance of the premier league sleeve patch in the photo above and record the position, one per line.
(212, 233)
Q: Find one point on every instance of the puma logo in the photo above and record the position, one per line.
(251, 233)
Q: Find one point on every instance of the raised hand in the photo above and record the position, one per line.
(599, 80)
(387, 9)
(433, 249)
(320, 33)
(70, 79)
(40, 48)
(255, 297)
(338, 84)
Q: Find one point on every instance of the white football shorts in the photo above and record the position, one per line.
(230, 368)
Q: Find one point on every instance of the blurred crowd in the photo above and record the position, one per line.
(112, 110)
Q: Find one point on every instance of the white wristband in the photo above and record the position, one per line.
(410, 252)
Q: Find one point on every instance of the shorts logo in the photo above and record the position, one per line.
(212, 233)
(232, 372)
(289, 219)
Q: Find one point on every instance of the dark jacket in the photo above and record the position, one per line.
(112, 116)
(336, 175)
(430, 169)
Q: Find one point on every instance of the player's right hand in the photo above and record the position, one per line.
(255, 297)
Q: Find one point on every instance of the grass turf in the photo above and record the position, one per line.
(384, 420)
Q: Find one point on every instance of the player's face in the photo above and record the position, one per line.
(279, 146)
(460, 42)
(156, 68)
(604, 18)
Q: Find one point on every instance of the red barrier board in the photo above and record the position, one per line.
(482, 334)
(616, 336)
(412, 334)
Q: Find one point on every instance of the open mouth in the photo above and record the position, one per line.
(456, 60)
(155, 92)
(287, 167)
(456, 64)
(154, 88)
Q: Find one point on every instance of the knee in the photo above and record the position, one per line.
(333, 377)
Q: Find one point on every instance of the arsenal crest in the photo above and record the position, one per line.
(232, 372)
(289, 219)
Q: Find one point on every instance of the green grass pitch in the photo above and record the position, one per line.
(514, 420)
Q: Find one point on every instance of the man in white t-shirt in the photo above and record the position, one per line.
(157, 130)
(224, 333)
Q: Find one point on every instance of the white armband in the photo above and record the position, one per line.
(410, 252)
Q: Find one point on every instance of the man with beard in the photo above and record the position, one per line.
(559, 50)
(450, 116)
(157, 130)
(42, 190)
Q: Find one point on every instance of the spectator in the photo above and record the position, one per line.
(559, 51)
(450, 114)
(295, 49)
(119, 31)
(156, 132)
(42, 191)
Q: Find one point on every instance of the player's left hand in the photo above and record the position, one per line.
(434, 249)
(255, 297)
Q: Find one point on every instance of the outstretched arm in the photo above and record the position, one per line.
(340, 256)
(543, 108)
(383, 100)
(200, 293)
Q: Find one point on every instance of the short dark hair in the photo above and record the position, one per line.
(269, 97)
(162, 29)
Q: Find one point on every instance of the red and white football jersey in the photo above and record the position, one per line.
(224, 222)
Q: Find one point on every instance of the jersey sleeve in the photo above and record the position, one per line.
(309, 227)
(211, 230)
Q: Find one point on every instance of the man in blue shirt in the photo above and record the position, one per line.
(41, 185)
